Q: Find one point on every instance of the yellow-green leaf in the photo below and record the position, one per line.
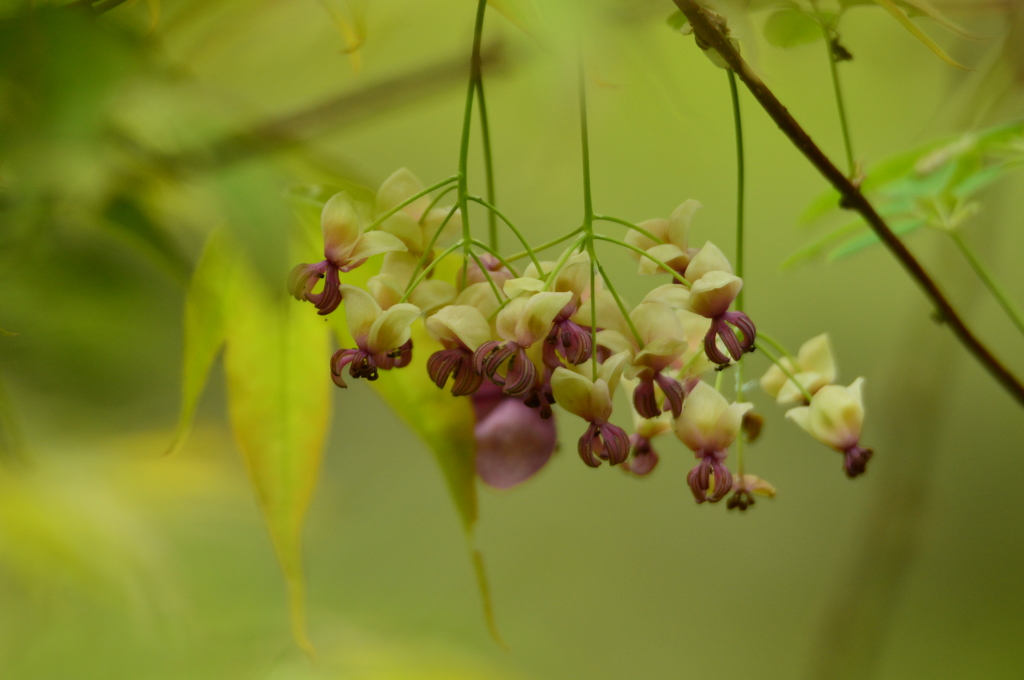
(204, 325)
(915, 31)
(791, 27)
(349, 16)
(522, 13)
(276, 362)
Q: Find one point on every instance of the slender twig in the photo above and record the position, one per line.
(487, 275)
(837, 87)
(467, 118)
(544, 246)
(988, 279)
(588, 214)
(485, 134)
(622, 307)
(412, 199)
(626, 223)
(429, 268)
(761, 335)
(740, 181)
(852, 198)
(643, 253)
(487, 249)
(515, 230)
(789, 374)
(437, 199)
(429, 250)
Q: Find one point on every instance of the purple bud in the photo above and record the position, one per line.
(513, 443)
(855, 460)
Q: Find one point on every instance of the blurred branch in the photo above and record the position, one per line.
(710, 36)
(327, 116)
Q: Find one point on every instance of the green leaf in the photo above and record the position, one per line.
(869, 238)
(915, 31)
(125, 213)
(279, 394)
(204, 325)
(522, 13)
(790, 28)
(677, 20)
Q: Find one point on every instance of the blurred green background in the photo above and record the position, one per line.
(122, 145)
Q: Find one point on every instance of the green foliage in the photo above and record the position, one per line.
(791, 27)
(928, 185)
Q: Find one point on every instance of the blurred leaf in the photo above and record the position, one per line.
(869, 238)
(915, 31)
(790, 28)
(820, 245)
(522, 13)
(125, 213)
(10, 432)
(204, 325)
(279, 402)
(923, 8)
(677, 20)
(7, 334)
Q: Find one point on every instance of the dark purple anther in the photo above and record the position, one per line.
(457, 362)
(855, 460)
(645, 399)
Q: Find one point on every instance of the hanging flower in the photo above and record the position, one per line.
(813, 368)
(567, 338)
(413, 224)
(713, 289)
(345, 248)
(382, 338)
(664, 341)
(673, 250)
(708, 426)
(644, 458)
(396, 273)
(835, 417)
(592, 401)
(744, 489)
(461, 329)
(525, 320)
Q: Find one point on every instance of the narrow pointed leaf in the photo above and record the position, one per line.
(869, 238)
(791, 27)
(279, 401)
(204, 325)
(916, 31)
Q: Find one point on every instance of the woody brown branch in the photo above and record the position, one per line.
(708, 33)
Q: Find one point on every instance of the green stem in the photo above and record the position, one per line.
(834, 69)
(519, 234)
(487, 275)
(426, 270)
(626, 223)
(433, 239)
(544, 246)
(643, 253)
(434, 201)
(761, 335)
(986, 277)
(552, 276)
(740, 181)
(485, 133)
(789, 374)
(415, 197)
(622, 308)
(588, 216)
(487, 249)
(467, 118)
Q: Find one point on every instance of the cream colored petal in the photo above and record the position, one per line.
(407, 229)
(660, 353)
(608, 314)
(541, 309)
(373, 243)
(573, 392)
(709, 259)
(658, 227)
(729, 424)
(508, 318)
(601, 401)
(679, 222)
(460, 322)
(398, 187)
(432, 222)
(391, 329)
(801, 415)
(615, 341)
(361, 311)
(339, 222)
(575, 275)
(387, 290)
(773, 379)
(525, 284)
(652, 427)
(836, 415)
(755, 484)
(667, 253)
(712, 294)
(479, 295)
(531, 269)
(790, 393)
(701, 412)
(611, 370)
(433, 294)
(655, 321)
(816, 355)
(400, 264)
(675, 296)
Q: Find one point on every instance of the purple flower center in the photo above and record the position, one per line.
(722, 327)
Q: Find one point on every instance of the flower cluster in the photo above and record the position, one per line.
(516, 343)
